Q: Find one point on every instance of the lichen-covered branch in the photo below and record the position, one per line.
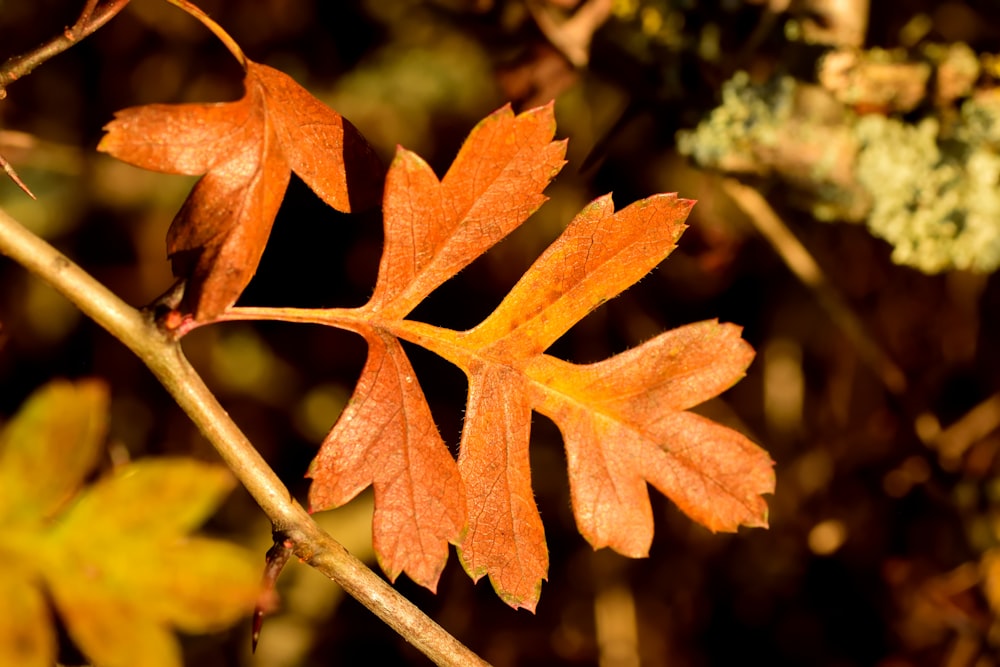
(929, 187)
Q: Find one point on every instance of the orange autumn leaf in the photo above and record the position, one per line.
(246, 150)
(624, 424)
(624, 420)
(386, 436)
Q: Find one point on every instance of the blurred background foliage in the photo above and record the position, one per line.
(886, 521)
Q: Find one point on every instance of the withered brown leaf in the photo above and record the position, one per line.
(246, 150)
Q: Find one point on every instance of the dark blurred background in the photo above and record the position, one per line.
(886, 515)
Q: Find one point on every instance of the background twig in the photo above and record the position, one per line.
(801, 263)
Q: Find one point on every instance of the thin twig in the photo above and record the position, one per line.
(164, 357)
(88, 10)
(805, 268)
(973, 426)
(93, 16)
(572, 36)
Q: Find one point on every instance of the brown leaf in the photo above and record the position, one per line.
(247, 150)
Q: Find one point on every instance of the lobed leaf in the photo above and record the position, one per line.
(120, 557)
(622, 419)
(114, 558)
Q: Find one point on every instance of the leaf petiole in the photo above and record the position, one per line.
(216, 29)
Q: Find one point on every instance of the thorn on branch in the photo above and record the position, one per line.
(9, 170)
(268, 601)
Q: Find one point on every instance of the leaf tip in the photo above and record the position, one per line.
(111, 140)
(258, 623)
(517, 602)
(316, 503)
(547, 109)
(104, 145)
(475, 572)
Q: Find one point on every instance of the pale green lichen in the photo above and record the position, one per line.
(937, 202)
(750, 116)
(980, 122)
(935, 195)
